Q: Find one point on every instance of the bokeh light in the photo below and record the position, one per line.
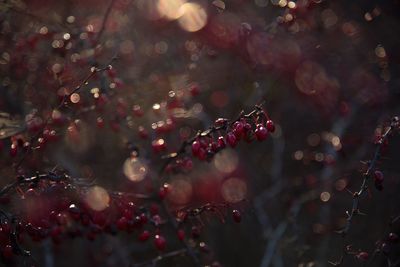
(325, 196)
(226, 161)
(234, 190)
(181, 191)
(171, 9)
(135, 169)
(193, 18)
(97, 198)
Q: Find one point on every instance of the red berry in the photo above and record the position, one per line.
(261, 132)
(362, 256)
(238, 129)
(237, 217)
(13, 150)
(196, 148)
(393, 237)
(270, 126)
(195, 232)
(122, 223)
(202, 154)
(100, 122)
(154, 209)
(143, 218)
(194, 89)
(8, 252)
(137, 111)
(231, 139)
(159, 242)
(221, 142)
(162, 193)
(181, 234)
(220, 121)
(378, 176)
(159, 145)
(385, 248)
(30, 193)
(143, 132)
(144, 236)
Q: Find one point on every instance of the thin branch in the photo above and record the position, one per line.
(355, 209)
(153, 262)
(258, 111)
(62, 103)
(105, 20)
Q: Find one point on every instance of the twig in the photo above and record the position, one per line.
(355, 210)
(212, 129)
(105, 20)
(154, 261)
(62, 103)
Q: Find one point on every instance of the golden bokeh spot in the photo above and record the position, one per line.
(226, 161)
(135, 169)
(171, 9)
(325, 196)
(234, 190)
(97, 198)
(180, 191)
(75, 98)
(193, 18)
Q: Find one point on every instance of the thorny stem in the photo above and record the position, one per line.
(355, 210)
(154, 261)
(62, 103)
(258, 110)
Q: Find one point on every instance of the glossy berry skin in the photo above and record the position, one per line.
(221, 143)
(195, 232)
(385, 248)
(196, 148)
(362, 256)
(13, 150)
(162, 193)
(122, 223)
(159, 145)
(238, 129)
(393, 237)
(261, 132)
(237, 217)
(270, 126)
(159, 242)
(144, 236)
(181, 234)
(231, 139)
(202, 154)
(378, 177)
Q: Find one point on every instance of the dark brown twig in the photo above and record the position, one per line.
(355, 210)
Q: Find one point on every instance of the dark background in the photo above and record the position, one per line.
(330, 75)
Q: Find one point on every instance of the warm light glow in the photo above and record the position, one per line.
(234, 190)
(134, 169)
(180, 192)
(226, 161)
(193, 18)
(325, 196)
(97, 198)
(170, 9)
(75, 98)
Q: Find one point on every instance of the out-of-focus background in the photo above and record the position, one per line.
(328, 72)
